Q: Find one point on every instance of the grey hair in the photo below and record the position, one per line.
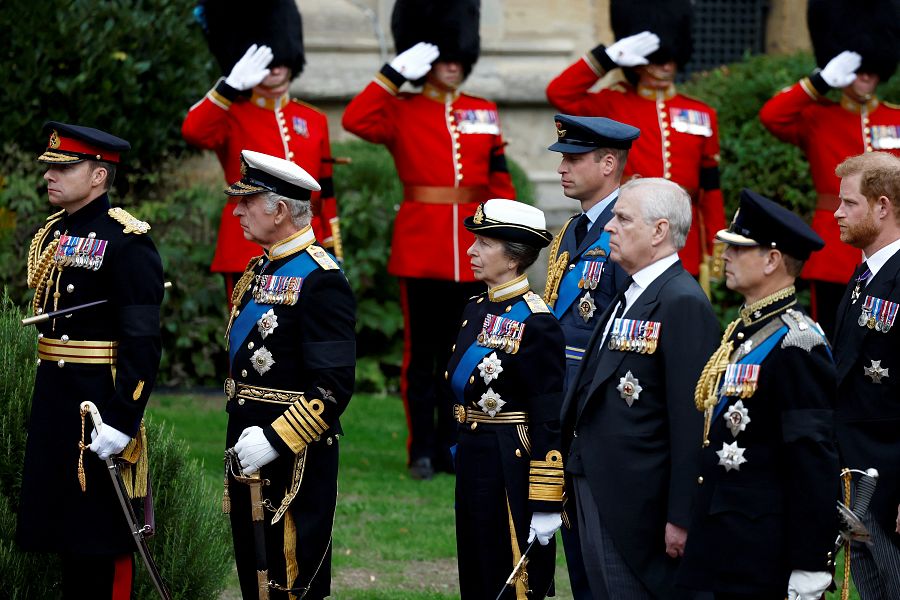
(663, 199)
(523, 254)
(301, 211)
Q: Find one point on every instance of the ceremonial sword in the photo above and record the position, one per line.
(257, 513)
(65, 312)
(138, 532)
(516, 570)
(853, 528)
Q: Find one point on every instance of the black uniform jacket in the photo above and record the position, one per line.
(756, 521)
(576, 329)
(868, 407)
(641, 461)
(55, 515)
(523, 456)
(292, 374)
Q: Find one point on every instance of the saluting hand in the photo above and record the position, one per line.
(251, 69)
(841, 70)
(633, 50)
(415, 62)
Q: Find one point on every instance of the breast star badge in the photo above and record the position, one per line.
(629, 388)
(490, 368)
(875, 371)
(737, 417)
(731, 456)
(490, 402)
(267, 323)
(586, 307)
(262, 360)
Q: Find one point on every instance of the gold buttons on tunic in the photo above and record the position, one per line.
(453, 348)
(64, 339)
(700, 480)
(70, 288)
(471, 379)
(243, 372)
(241, 401)
(508, 308)
(518, 453)
(61, 363)
(250, 346)
(740, 335)
(446, 375)
(465, 321)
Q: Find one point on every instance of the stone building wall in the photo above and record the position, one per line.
(525, 43)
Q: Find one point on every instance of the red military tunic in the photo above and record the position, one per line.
(448, 150)
(285, 128)
(679, 140)
(828, 132)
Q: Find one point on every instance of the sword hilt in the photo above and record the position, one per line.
(864, 491)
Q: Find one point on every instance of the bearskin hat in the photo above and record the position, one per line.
(452, 25)
(869, 27)
(669, 19)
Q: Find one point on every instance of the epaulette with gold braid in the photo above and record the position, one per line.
(132, 224)
(556, 266)
(321, 257)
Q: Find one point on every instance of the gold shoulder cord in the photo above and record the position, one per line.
(240, 288)
(556, 267)
(706, 393)
(40, 263)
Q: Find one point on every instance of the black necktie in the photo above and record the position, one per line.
(581, 229)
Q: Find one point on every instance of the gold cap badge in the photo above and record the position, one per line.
(479, 215)
(54, 139)
(560, 132)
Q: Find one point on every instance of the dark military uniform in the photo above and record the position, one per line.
(292, 354)
(769, 469)
(769, 473)
(108, 354)
(508, 459)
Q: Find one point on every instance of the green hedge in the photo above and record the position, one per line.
(192, 547)
(132, 67)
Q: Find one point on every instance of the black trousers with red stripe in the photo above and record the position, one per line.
(99, 577)
(431, 316)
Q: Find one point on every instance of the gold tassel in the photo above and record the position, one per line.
(136, 475)
(82, 479)
(845, 588)
(226, 498)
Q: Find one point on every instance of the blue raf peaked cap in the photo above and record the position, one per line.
(577, 135)
(762, 222)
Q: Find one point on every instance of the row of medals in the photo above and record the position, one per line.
(868, 320)
(641, 345)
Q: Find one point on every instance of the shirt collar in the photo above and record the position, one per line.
(270, 103)
(877, 260)
(295, 243)
(648, 274)
(596, 210)
(510, 289)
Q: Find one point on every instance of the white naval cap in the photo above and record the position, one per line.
(263, 173)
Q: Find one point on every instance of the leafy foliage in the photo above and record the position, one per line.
(192, 546)
(131, 67)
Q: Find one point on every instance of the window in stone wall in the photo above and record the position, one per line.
(725, 30)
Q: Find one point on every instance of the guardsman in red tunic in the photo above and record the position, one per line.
(251, 109)
(857, 50)
(679, 135)
(448, 151)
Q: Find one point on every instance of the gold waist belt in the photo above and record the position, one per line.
(467, 415)
(85, 352)
(244, 392)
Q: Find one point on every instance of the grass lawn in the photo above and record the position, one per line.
(393, 537)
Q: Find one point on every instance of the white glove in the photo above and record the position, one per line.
(251, 69)
(415, 62)
(634, 49)
(808, 585)
(254, 450)
(108, 441)
(841, 70)
(544, 526)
